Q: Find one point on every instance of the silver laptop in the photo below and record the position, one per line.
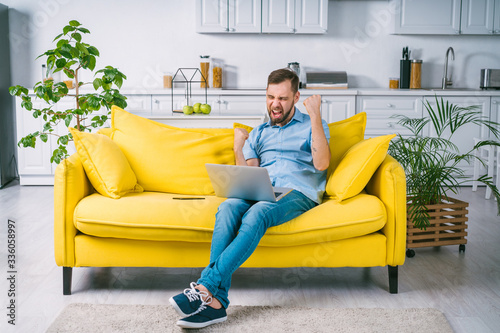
(244, 182)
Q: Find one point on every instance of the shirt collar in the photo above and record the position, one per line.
(298, 116)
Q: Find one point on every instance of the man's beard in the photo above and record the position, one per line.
(281, 120)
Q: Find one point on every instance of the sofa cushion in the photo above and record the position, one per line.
(158, 217)
(105, 165)
(343, 135)
(169, 159)
(357, 167)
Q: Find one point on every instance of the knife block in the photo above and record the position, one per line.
(404, 74)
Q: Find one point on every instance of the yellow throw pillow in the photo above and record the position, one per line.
(357, 167)
(105, 165)
(343, 135)
(169, 159)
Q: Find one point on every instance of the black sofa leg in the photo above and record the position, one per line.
(67, 273)
(393, 279)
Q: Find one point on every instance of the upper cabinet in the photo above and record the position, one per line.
(228, 16)
(262, 16)
(428, 17)
(445, 17)
(480, 17)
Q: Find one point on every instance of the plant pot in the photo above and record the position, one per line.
(448, 224)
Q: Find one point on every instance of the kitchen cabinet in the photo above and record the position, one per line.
(138, 103)
(295, 16)
(480, 17)
(494, 113)
(262, 16)
(447, 17)
(427, 17)
(464, 139)
(241, 104)
(379, 110)
(333, 108)
(220, 16)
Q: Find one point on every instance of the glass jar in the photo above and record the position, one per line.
(416, 74)
(217, 73)
(46, 74)
(167, 80)
(204, 68)
(393, 82)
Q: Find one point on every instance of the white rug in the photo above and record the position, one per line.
(95, 318)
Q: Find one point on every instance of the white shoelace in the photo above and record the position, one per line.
(192, 294)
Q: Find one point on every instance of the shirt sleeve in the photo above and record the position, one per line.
(249, 149)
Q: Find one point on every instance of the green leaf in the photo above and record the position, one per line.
(97, 83)
(62, 42)
(92, 50)
(67, 29)
(57, 37)
(83, 30)
(44, 137)
(60, 63)
(74, 23)
(67, 120)
(81, 48)
(77, 36)
(13, 91)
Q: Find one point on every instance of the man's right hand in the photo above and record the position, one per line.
(240, 136)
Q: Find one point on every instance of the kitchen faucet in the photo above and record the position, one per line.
(447, 82)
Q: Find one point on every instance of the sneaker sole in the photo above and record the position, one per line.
(187, 324)
(177, 309)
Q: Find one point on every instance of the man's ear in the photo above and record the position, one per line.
(296, 98)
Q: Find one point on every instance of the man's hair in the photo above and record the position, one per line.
(282, 75)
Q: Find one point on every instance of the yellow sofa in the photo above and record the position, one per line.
(116, 202)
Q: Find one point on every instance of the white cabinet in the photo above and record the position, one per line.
(266, 16)
(333, 108)
(446, 17)
(278, 16)
(218, 16)
(138, 104)
(464, 137)
(494, 113)
(242, 104)
(311, 16)
(295, 16)
(480, 17)
(379, 110)
(427, 17)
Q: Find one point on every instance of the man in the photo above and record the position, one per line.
(293, 147)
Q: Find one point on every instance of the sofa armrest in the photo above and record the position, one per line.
(70, 186)
(389, 185)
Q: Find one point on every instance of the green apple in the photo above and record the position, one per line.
(205, 108)
(187, 109)
(196, 108)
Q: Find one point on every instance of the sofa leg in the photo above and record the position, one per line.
(393, 279)
(67, 274)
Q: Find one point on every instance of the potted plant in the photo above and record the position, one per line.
(432, 171)
(70, 56)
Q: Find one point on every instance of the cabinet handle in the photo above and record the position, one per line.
(232, 29)
(457, 32)
(324, 101)
(494, 102)
(390, 125)
(492, 31)
(389, 105)
(292, 30)
(157, 101)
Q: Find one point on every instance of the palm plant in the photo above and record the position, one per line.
(432, 163)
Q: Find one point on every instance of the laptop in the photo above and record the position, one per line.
(244, 182)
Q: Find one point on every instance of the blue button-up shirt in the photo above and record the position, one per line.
(286, 154)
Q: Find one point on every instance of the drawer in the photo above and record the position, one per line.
(392, 105)
(139, 104)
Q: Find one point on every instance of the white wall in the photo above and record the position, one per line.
(144, 38)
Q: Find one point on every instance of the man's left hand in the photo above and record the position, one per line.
(313, 106)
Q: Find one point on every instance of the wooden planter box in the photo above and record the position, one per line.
(448, 226)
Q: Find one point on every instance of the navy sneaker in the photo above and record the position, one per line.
(189, 302)
(206, 316)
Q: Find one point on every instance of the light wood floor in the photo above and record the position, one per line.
(464, 286)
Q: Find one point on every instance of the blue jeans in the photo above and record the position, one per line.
(239, 226)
